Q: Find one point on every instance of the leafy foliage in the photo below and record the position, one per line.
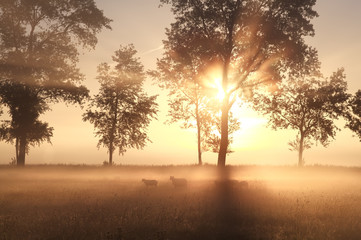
(252, 42)
(25, 110)
(192, 102)
(308, 105)
(353, 115)
(39, 51)
(213, 130)
(121, 111)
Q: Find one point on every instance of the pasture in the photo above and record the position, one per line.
(88, 202)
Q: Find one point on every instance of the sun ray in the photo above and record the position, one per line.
(218, 85)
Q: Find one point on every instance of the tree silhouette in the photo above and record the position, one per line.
(246, 39)
(353, 115)
(306, 103)
(25, 110)
(39, 51)
(213, 130)
(121, 111)
(186, 101)
(189, 100)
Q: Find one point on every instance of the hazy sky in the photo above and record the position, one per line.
(141, 22)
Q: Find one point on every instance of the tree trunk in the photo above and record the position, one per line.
(17, 149)
(199, 136)
(112, 133)
(224, 137)
(300, 152)
(224, 118)
(22, 151)
(111, 153)
(199, 148)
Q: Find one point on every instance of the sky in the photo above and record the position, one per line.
(143, 23)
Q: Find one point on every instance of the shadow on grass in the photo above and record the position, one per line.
(227, 216)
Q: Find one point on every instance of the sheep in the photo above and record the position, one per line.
(150, 183)
(178, 182)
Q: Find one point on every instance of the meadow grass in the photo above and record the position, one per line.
(84, 202)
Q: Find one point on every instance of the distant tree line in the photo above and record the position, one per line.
(215, 53)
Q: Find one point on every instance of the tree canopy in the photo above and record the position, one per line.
(353, 115)
(252, 42)
(121, 111)
(191, 101)
(306, 103)
(38, 54)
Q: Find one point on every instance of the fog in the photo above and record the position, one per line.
(96, 202)
(273, 177)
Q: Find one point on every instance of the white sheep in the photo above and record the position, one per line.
(178, 182)
(149, 183)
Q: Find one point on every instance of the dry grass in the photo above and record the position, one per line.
(67, 202)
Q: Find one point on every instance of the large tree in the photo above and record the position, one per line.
(39, 48)
(191, 102)
(121, 111)
(306, 103)
(247, 39)
(24, 110)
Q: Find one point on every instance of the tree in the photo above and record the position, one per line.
(25, 111)
(213, 131)
(251, 41)
(121, 111)
(189, 100)
(307, 104)
(186, 100)
(353, 115)
(39, 50)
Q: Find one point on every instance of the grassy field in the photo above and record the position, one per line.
(84, 202)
